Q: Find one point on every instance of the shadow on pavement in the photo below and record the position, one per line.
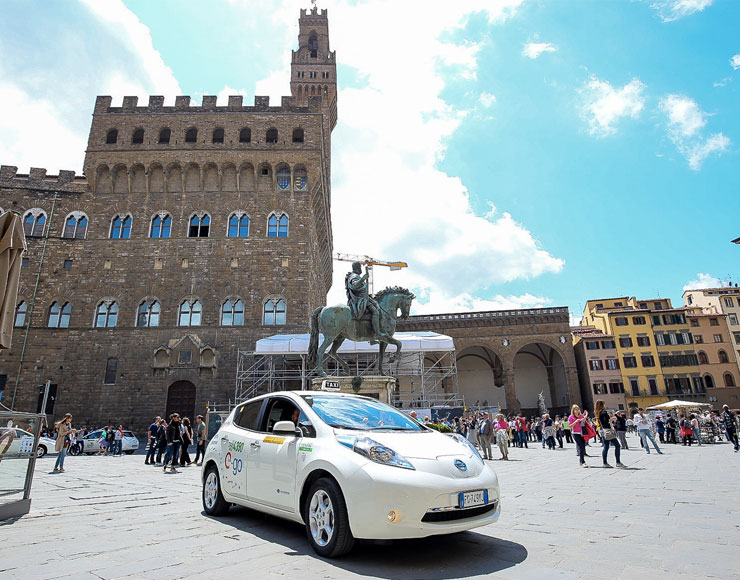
(458, 555)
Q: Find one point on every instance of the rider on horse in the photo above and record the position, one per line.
(359, 299)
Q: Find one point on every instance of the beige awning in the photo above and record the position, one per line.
(12, 245)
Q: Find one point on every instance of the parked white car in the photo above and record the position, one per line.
(92, 442)
(22, 442)
(347, 467)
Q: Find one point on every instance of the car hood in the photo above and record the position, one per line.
(419, 445)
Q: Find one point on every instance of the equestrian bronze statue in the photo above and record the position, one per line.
(364, 318)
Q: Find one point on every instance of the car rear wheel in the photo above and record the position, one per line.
(327, 524)
(214, 503)
(40, 451)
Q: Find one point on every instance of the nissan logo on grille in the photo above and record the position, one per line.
(461, 465)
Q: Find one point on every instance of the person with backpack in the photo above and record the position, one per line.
(174, 440)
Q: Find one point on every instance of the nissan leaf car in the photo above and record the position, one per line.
(347, 467)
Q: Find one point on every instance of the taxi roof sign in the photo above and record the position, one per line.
(329, 385)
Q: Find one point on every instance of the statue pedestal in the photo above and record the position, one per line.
(378, 387)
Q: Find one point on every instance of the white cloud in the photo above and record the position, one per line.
(534, 49)
(703, 281)
(487, 100)
(105, 49)
(735, 61)
(604, 105)
(685, 118)
(386, 147)
(686, 122)
(670, 10)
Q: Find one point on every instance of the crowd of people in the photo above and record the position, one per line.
(484, 430)
(172, 439)
(168, 442)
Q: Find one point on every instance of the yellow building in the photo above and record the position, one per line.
(655, 347)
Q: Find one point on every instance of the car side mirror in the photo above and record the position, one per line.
(284, 428)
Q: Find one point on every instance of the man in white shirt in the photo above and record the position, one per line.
(643, 422)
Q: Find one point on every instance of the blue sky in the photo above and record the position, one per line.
(517, 153)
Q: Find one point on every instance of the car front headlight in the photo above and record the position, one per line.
(374, 451)
(467, 444)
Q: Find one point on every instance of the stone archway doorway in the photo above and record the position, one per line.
(181, 399)
(539, 368)
(480, 377)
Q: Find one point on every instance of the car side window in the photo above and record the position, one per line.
(248, 414)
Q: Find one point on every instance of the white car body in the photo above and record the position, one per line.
(93, 439)
(272, 474)
(23, 442)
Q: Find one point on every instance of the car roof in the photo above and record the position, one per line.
(300, 394)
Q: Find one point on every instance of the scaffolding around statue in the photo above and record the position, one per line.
(426, 369)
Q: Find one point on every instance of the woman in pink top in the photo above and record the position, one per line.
(502, 436)
(576, 421)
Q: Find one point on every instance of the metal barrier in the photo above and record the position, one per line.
(19, 439)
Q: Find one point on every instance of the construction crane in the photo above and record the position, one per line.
(369, 262)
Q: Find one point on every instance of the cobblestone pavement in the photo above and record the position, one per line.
(675, 515)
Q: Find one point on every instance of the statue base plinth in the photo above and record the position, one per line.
(378, 387)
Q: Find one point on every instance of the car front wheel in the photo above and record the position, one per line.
(214, 503)
(40, 451)
(327, 524)
(129, 452)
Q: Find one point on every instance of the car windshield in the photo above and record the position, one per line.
(360, 414)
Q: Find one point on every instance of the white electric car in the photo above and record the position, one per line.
(347, 467)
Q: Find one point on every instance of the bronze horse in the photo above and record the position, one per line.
(337, 325)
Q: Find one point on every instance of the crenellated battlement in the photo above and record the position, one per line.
(37, 178)
(209, 104)
(321, 15)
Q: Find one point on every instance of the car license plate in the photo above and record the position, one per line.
(468, 499)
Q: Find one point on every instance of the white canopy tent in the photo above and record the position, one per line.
(678, 405)
(410, 342)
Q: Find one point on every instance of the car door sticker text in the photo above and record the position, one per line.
(236, 446)
(307, 448)
(235, 464)
(271, 439)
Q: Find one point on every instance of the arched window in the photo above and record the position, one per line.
(190, 313)
(59, 316)
(723, 357)
(106, 315)
(120, 227)
(709, 381)
(729, 380)
(283, 177)
(111, 137)
(218, 135)
(703, 359)
(313, 45)
(199, 226)
(238, 226)
(161, 226)
(232, 313)
(272, 136)
(298, 135)
(164, 136)
(75, 226)
(20, 314)
(138, 137)
(300, 178)
(277, 227)
(273, 314)
(148, 314)
(245, 135)
(34, 222)
(191, 135)
(111, 369)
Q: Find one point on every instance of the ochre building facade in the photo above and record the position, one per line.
(195, 230)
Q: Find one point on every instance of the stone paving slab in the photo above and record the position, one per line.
(675, 515)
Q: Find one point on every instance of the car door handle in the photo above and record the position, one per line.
(255, 445)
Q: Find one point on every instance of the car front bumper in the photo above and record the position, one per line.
(423, 504)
